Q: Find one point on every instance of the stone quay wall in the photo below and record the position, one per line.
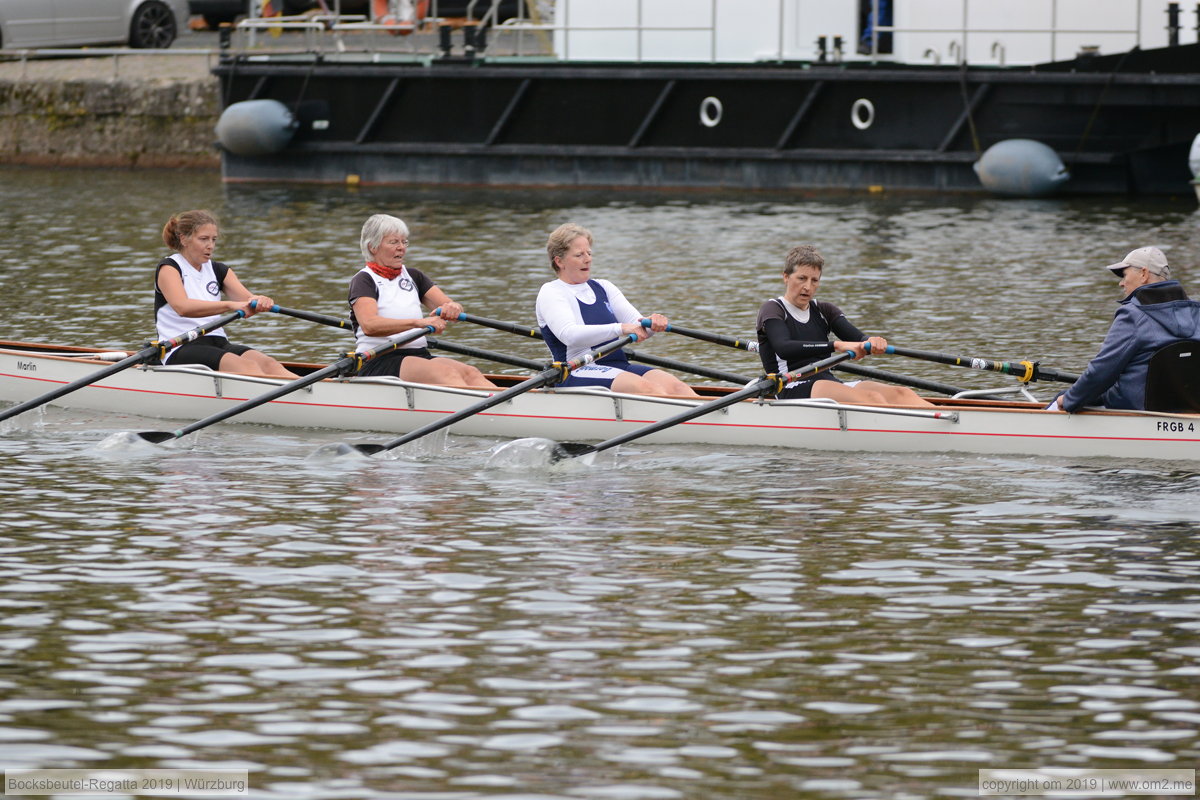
(139, 111)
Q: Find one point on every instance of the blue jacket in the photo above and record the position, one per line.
(1150, 318)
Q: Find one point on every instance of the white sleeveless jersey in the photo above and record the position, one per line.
(397, 299)
(198, 285)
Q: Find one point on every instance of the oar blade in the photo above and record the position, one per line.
(156, 437)
(565, 450)
(368, 449)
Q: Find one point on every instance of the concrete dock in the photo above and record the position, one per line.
(154, 110)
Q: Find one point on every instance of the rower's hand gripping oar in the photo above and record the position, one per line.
(556, 372)
(767, 383)
(705, 336)
(1025, 371)
(312, 316)
(351, 363)
(157, 348)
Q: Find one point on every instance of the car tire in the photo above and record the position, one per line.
(153, 26)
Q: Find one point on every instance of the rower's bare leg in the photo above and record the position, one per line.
(869, 393)
(651, 383)
(253, 362)
(444, 372)
(667, 383)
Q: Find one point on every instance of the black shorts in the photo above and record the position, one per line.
(206, 351)
(802, 389)
(389, 363)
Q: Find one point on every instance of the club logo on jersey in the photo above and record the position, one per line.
(405, 283)
(213, 288)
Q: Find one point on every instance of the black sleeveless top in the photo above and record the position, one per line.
(785, 344)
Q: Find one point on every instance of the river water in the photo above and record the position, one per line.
(673, 622)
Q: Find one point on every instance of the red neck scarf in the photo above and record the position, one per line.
(386, 273)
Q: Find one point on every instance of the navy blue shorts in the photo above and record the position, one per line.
(601, 375)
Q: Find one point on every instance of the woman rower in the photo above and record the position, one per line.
(386, 299)
(577, 313)
(794, 330)
(187, 293)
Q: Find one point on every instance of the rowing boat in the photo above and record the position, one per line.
(395, 406)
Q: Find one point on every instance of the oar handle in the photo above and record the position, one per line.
(312, 316)
(490, 355)
(705, 336)
(532, 333)
(1046, 373)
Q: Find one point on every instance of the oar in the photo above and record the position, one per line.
(1026, 371)
(575, 449)
(351, 363)
(705, 336)
(145, 354)
(312, 316)
(552, 374)
(878, 374)
(657, 361)
(532, 333)
(903, 380)
(489, 355)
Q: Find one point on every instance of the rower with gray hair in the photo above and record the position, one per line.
(388, 299)
(1155, 313)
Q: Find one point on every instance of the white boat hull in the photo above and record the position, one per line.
(392, 406)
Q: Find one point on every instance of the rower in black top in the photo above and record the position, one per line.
(794, 330)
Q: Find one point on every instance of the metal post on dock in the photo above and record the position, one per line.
(780, 27)
(965, 28)
(712, 34)
(639, 31)
(1173, 24)
(1053, 28)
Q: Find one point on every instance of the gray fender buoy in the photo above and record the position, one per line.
(1194, 157)
(1021, 168)
(255, 127)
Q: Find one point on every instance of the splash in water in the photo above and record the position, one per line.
(125, 443)
(537, 453)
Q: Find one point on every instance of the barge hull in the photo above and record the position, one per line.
(768, 127)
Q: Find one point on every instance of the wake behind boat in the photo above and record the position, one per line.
(390, 405)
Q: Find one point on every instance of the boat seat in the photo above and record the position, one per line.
(1173, 378)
